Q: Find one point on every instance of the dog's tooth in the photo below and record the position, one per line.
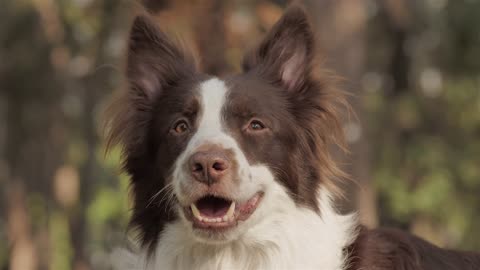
(225, 218)
(196, 212)
(219, 219)
(231, 210)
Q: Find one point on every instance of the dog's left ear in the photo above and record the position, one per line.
(286, 53)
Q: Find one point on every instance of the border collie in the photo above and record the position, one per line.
(235, 172)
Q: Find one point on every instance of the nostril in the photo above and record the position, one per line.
(208, 167)
(220, 166)
(197, 167)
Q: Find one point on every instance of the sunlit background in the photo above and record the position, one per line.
(413, 68)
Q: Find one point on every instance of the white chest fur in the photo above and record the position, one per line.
(289, 238)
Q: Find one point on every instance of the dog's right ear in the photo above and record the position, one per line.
(154, 62)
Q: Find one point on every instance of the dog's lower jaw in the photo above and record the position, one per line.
(290, 237)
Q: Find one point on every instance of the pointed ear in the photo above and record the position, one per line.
(154, 62)
(286, 53)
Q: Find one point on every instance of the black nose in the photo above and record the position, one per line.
(209, 167)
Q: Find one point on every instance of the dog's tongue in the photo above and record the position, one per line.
(212, 206)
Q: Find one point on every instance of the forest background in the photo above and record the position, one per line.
(412, 67)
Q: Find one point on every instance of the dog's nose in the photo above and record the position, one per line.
(208, 166)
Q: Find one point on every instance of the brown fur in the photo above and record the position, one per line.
(300, 107)
(391, 249)
(317, 103)
(161, 80)
(155, 67)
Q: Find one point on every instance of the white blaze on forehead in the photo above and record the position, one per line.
(211, 129)
(213, 94)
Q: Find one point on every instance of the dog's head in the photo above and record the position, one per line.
(220, 155)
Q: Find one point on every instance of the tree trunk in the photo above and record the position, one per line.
(92, 97)
(210, 37)
(23, 251)
(341, 25)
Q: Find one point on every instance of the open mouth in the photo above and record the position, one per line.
(213, 212)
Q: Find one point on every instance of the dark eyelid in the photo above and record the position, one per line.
(176, 121)
(247, 126)
(264, 121)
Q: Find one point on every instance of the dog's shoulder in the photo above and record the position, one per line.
(394, 249)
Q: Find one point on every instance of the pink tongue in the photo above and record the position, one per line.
(213, 207)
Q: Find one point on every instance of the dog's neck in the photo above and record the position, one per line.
(293, 238)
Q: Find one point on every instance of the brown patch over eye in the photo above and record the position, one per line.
(180, 127)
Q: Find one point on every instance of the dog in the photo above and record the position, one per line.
(235, 172)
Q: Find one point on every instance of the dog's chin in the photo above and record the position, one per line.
(219, 219)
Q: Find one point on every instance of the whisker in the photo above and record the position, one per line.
(167, 197)
(165, 188)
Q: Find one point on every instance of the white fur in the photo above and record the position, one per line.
(211, 131)
(278, 235)
(285, 237)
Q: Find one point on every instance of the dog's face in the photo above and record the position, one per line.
(216, 154)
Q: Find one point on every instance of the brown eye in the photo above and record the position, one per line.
(256, 125)
(180, 127)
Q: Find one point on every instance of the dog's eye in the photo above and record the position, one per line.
(256, 125)
(180, 127)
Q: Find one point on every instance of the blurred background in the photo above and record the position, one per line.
(412, 66)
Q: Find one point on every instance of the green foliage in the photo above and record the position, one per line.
(425, 119)
(62, 252)
(434, 173)
(109, 205)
